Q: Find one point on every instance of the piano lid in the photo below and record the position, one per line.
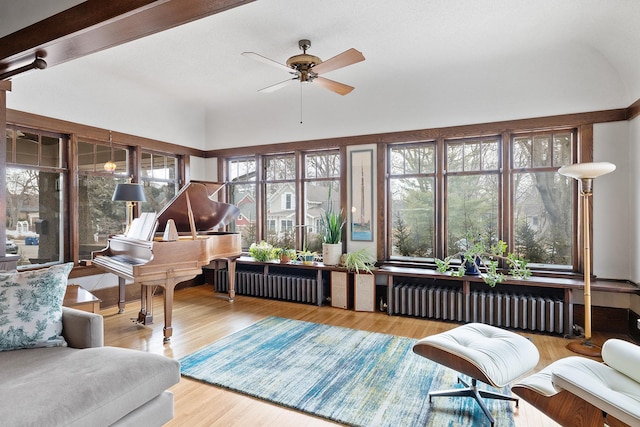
(207, 213)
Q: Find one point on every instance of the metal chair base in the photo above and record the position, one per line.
(473, 391)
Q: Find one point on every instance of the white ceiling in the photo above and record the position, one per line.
(429, 63)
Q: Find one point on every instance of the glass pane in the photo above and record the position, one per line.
(522, 152)
(397, 158)
(472, 156)
(50, 155)
(279, 168)
(103, 155)
(412, 209)
(543, 218)
(98, 216)
(145, 164)
(455, 157)
(244, 197)
(158, 194)
(472, 209)
(427, 159)
(242, 170)
(85, 157)
(171, 163)
(34, 215)
(280, 207)
(158, 165)
(490, 156)
(120, 156)
(542, 151)
(322, 165)
(27, 149)
(562, 149)
(320, 197)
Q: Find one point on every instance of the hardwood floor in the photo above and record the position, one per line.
(200, 317)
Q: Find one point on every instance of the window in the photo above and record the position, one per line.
(279, 203)
(159, 174)
(35, 176)
(98, 216)
(480, 195)
(242, 190)
(472, 192)
(321, 192)
(543, 224)
(412, 199)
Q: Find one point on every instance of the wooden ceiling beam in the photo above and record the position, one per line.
(95, 25)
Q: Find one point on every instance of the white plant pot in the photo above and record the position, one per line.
(331, 253)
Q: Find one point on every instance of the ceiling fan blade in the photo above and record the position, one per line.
(268, 61)
(339, 88)
(348, 57)
(277, 86)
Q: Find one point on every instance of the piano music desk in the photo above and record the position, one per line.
(80, 298)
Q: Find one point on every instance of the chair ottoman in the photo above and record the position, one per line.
(485, 353)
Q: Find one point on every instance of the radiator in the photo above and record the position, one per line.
(281, 287)
(509, 310)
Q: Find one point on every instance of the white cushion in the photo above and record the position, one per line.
(622, 356)
(503, 356)
(31, 307)
(602, 386)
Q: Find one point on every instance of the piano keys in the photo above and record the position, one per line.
(153, 263)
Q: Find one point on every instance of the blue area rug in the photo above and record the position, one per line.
(353, 377)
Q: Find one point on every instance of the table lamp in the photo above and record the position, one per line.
(130, 193)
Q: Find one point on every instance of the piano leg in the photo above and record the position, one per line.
(121, 295)
(146, 305)
(168, 310)
(231, 272)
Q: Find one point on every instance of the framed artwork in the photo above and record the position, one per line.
(362, 195)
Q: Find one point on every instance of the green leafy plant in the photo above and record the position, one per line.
(332, 223)
(263, 251)
(486, 259)
(358, 261)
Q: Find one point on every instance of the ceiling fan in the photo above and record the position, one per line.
(307, 68)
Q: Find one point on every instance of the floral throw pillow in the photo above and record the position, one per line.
(31, 308)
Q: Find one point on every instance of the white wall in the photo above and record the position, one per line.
(108, 102)
(204, 169)
(612, 218)
(634, 204)
(19, 14)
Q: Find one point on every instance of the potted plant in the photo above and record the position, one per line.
(286, 255)
(306, 257)
(263, 251)
(359, 261)
(480, 259)
(332, 223)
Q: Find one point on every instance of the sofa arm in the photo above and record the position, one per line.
(82, 329)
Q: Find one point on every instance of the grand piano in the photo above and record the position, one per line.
(145, 257)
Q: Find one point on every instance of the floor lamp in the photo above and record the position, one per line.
(585, 173)
(130, 193)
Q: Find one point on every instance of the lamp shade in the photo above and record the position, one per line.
(128, 193)
(587, 170)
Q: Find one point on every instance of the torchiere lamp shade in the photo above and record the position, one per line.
(587, 170)
(128, 193)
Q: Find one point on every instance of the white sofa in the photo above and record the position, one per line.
(578, 391)
(85, 384)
